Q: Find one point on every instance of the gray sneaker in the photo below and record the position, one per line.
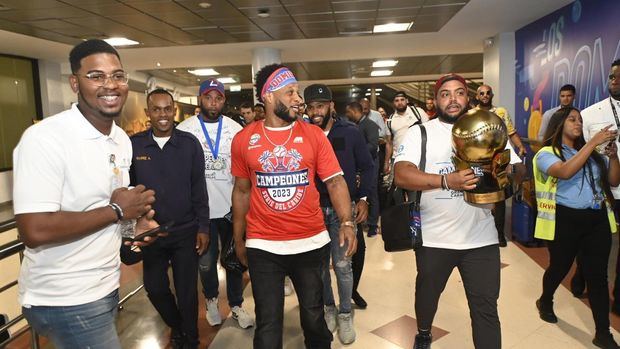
(330, 317)
(346, 330)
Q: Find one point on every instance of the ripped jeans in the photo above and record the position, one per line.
(342, 264)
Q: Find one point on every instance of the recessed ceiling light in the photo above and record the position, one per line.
(204, 72)
(158, 64)
(381, 72)
(174, 70)
(204, 4)
(235, 88)
(227, 80)
(121, 42)
(392, 27)
(376, 90)
(384, 63)
(376, 94)
(263, 12)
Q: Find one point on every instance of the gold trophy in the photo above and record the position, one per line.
(478, 142)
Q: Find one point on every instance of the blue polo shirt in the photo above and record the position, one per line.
(575, 192)
(353, 156)
(176, 173)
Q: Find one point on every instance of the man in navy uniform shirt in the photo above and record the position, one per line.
(172, 163)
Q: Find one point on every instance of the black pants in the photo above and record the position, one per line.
(267, 272)
(373, 201)
(357, 260)
(579, 279)
(585, 232)
(480, 271)
(381, 189)
(499, 215)
(179, 250)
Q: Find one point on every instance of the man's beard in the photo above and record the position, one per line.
(485, 104)
(325, 121)
(449, 119)
(614, 95)
(282, 112)
(211, 115)
(402, 109)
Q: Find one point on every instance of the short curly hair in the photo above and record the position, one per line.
(87, 48)
(261, 77)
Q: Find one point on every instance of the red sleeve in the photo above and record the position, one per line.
(239, 164)
(327, 164)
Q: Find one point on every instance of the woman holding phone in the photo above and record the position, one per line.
(575, 211)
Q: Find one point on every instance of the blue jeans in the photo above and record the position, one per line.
(89, 325)
(221, 231)
(342, 265)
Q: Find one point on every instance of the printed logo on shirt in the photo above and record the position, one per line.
(254, 139)
(144, 157)
(401, 149)
(282, 184)
(298, 140)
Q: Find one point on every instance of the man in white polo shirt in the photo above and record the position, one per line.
(398, 123)
(70, 176)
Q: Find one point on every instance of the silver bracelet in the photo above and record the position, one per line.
(118, 210)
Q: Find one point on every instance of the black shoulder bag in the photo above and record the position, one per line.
(401, 224)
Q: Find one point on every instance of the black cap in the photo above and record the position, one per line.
(317, 93)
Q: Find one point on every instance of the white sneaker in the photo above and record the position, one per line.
(213, 313)
(244, 319)
(330, 317)
(346, 331)
(288, 286)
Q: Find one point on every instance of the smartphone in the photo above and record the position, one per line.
(154, 231)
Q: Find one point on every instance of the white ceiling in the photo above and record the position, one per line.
(464, 33)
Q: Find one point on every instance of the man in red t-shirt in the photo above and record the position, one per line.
(276, 206)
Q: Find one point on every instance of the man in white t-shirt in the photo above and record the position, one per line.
(455, 233)
(595, 117)
(216, 132)
(400, 121)
(70, 174)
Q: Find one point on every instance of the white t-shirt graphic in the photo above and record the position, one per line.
(218, 177)
(448, 221)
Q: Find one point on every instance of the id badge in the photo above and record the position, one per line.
(597, 201)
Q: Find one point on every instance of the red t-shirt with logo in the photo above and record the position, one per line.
(281, 163)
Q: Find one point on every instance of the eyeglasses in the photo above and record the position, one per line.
(488, 93)
(100, 79)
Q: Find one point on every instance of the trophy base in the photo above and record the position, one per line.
(488, 198)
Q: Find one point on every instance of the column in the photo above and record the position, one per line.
(262, 56)
(499, 69)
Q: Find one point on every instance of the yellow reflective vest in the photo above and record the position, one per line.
(545, 201)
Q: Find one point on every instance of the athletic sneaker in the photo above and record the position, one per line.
(244, 319)
(288, 286)
(423, 340)
(213, 313)
(346, 330)
(330, 317)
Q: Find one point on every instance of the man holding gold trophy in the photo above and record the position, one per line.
(459, 186)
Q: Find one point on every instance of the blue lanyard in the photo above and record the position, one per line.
(215, 150)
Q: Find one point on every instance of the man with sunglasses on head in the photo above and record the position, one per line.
(70, 198)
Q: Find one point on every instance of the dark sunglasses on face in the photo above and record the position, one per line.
(488, 93)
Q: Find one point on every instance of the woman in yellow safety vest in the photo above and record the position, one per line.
(574, 211)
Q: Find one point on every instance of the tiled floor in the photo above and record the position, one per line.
(388, 322)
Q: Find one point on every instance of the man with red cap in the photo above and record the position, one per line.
(276, 207)
(215, 132)
(455, 233)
